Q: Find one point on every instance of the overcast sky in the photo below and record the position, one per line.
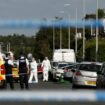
(39, 9)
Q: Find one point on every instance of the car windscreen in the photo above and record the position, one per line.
(69, 67)
(62, 65)
(55, 64)
(89, 67)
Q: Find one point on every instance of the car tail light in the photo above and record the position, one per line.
(69, 70)
(2, 72)
(78, 73)
(65, 70)
(2, 69)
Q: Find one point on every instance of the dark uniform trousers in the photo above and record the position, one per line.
(23, 80)
(9, 79)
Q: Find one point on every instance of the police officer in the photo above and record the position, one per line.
(8, 68)
(23, 66)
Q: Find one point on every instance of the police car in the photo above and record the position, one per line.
(2, 73)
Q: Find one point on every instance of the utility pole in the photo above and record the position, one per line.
(69, 34)
(97, 32)
(53, 37)
(1, 43)
(83, 57)
(76, 34)
(60, 36)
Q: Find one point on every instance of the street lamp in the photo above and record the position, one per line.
(8, 47)
(53, 37)
(1, 43)
(62, 12)
(76, 34)
(60, 36)
(97, 31)
(66, 5)
(83, 30)
(91, 29)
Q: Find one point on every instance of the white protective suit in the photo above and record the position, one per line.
(33, 72)
(46, 67)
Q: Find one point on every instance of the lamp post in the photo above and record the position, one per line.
(62, 12)
(8, 47)
(91, 29)
(66, 5)
(83, 30)
(1, 43)
(76, 34)
(60, 36)
(97, 31)
(53, 36)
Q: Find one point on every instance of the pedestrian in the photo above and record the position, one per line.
(46, 67)
(33, 71)
(23, 67)
(8, 70)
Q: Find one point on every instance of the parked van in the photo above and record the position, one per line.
(64, 55)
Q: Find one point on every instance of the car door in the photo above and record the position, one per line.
(101, 77)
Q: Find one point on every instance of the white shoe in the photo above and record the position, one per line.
(29, 82)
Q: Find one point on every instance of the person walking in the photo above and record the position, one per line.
(23, 67)
(46, 66)
(33, 71)
(8, 70)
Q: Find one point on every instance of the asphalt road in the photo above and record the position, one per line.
(41, 85)
(50, 85)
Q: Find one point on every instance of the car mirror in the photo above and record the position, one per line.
(73, 70)
(99, 72)
(54, 67)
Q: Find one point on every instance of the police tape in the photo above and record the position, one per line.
(15, 74)
(56, 96)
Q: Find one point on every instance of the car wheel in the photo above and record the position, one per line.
(99, 85)
(2, 84)
(74, 86)
(50, 76)
(16, 80)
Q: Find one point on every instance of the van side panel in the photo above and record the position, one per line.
(65, 55)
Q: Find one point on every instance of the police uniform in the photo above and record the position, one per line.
(8, 70)
(23, 69)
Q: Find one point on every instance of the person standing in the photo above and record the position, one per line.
(8, 70)
(33, 71)
(23, 67)
(46, 66)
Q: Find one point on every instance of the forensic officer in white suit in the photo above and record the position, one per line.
(33, 71)
(46, 67)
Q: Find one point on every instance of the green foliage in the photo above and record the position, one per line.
(101, 14)
(19, 43)
(90, 50)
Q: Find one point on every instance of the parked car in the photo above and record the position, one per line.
(39, 68)
(86, 74)
(100, 83)
(58, 70)
(54, 65)
(69, 71)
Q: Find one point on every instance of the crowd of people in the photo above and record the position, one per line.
(26, 70)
